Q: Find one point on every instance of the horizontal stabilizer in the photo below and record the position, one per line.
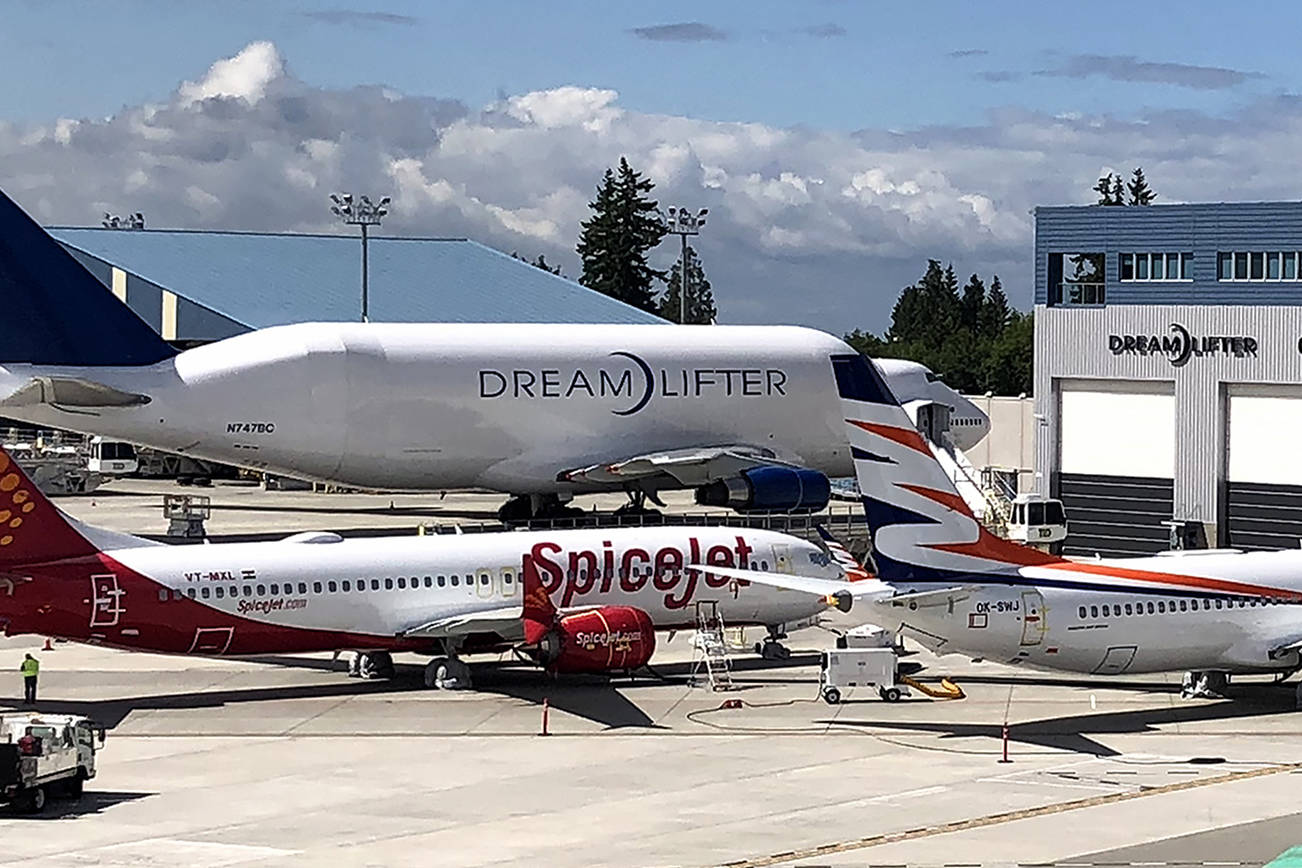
(71, 392)
(507, 622)
(690, 467)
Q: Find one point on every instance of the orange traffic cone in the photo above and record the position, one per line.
(48, 646)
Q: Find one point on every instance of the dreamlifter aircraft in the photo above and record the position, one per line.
(575, 600)
(949, 584)
(746, 416)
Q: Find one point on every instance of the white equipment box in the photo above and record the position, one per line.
(866, 636)
(859, 667)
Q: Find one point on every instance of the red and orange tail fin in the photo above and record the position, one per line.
(539, 612)
(32, 529)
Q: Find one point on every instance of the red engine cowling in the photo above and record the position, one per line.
(599, 640)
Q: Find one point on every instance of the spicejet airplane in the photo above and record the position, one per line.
(747, 416)
(952, 586)
(576, 601)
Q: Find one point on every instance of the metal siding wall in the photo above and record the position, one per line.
(1072, 343)
(1201, 229)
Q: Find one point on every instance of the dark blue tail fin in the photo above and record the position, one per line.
(54, 312)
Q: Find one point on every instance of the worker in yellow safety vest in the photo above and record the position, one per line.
(31, 668)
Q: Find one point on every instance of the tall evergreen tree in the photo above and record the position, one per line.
(1140, 192)
(1104, 189)
(700, 300)
(624, 226)
(995, 313)
(972, 302)
(1118, 191)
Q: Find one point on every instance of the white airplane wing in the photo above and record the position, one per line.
(71, 392)
(690, 467)
(507, 622)
(842, 593)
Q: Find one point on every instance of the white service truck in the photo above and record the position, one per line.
(45, 755)
(859, 667)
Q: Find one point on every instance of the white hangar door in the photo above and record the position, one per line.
(1116, 462)
(1263, 474)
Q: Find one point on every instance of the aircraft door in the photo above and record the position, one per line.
(484, 584)
(781, 559)
(1117, 660)
(106, 603)
(1034, 625)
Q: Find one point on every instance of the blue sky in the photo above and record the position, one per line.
(837, 65)
(838, 144)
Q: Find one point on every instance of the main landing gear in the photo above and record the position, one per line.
(1205, 685)
(447, 673)
(771, 648)
(524, 507)
(370, 665)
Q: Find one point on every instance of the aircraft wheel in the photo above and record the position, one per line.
(32, 801)
(831, 695)
(377, 664)
(435, 671)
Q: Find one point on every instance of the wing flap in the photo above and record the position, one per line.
(507, 622)
(689, 467)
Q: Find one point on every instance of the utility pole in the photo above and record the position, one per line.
(362, 212)
(683, 222)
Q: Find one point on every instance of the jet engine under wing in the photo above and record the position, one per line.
(1286, 647)
(507, 622)
(77, 392)
(689, 467)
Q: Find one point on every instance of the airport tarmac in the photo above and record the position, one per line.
(288, 762)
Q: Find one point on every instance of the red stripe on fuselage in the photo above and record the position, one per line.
(1221, 586)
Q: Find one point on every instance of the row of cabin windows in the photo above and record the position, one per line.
(1161, 607)
(276, 589)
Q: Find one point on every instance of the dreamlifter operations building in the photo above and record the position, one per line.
(1168, 374)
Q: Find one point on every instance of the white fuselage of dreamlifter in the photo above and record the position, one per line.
(501, 406)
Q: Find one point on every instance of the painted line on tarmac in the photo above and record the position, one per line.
(1006, 817)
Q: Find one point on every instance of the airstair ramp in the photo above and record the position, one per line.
(710, 650)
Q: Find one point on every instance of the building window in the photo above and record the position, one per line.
(1258, 265)
(1077, 279)
(1156, 266)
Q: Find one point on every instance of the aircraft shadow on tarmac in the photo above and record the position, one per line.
(91, 802)
(1074, 732)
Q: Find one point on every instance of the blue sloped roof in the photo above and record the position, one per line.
(264, 279)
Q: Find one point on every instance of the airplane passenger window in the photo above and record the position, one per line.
(1161, 606)
(1219, 603)
(262, 590)
(203, 592)
(346, 585)
(1242, 603)
(455, 581)
(483, 580)
(1207, 604)
(375, 584)
(316, 587)
(1127, 608)
(508, 578)
(1183, 605)
(1106, 612)
(275, 590)
(764, 565)
(442, 581)
(1081, 612)
(332, 587)
(177, 594)
(388, 584)
(162, 595)
(219, 592)
(429, 581)
(402, 583)
(1150, 608)
(190, 592)
(1094, 611)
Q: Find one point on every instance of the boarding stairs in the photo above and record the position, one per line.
(710, 651)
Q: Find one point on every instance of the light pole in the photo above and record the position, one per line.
(683, 222)
(131, 221)
(362, 212)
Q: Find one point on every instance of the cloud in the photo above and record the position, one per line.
(969, 52)
(360, 18)
(829, 30)
(998, 76)
(806, 225)
(683, 31)
(1124, 67)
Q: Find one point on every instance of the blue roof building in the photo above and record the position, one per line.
(194, 286)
